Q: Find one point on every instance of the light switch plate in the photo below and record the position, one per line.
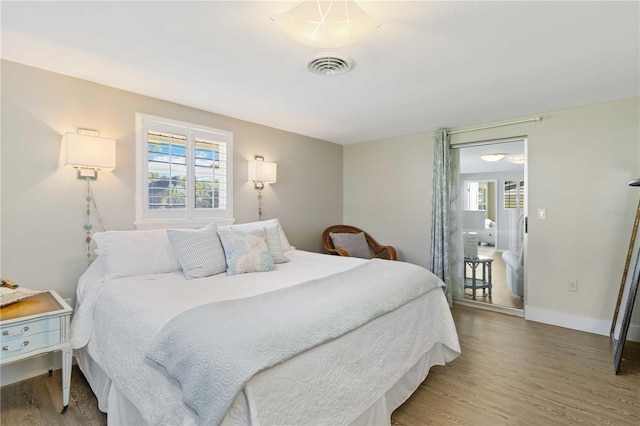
(542, 214)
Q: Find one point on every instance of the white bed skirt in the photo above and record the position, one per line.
(122, 412)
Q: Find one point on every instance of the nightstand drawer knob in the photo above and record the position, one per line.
(24, 330)
(8, 348)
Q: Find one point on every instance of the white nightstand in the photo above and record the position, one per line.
(36, 325)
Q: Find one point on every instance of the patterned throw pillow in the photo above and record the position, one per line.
(246, 251)
(198, 250)
(354, 244)
(273, 236)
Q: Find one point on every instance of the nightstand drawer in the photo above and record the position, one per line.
(26, 344)
(28, 328)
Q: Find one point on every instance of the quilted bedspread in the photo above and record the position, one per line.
(117, 320)
(214, 349)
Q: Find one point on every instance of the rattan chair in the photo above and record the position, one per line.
(377, 250)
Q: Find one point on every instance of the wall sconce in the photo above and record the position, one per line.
(261, 172)
(88, 153)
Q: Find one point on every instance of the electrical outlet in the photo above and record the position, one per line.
(573, 285)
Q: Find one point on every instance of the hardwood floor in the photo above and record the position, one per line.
(38, 401)
(511, 372)
(517, 372)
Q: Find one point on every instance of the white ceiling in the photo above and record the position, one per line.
(431, 65)
(471, 161)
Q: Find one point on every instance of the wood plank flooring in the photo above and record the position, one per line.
(517, 372)
(38, 401)
(511, 372)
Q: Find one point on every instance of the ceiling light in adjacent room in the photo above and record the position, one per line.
(326, 24)
(516, 159)
(492, 158)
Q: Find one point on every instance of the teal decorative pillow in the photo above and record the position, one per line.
(354, 244)
(198, 251)
(246, 251)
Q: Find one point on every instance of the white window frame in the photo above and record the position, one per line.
(188, 217)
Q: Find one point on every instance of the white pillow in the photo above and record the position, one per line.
(276, 239)
(246, 251)
(128, 253)
(198, 250)
(284, 242)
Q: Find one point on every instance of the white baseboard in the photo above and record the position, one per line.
(489, 307)
(28, 368)
(576, 322)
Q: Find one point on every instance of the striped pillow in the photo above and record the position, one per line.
(199, 251)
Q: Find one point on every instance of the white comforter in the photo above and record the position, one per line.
(117, 319)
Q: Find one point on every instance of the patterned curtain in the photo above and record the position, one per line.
(446, 238)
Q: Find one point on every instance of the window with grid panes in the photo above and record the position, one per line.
(184, 170)
(513, 194)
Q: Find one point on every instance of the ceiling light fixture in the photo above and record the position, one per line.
(516, 159)
(492, 158)
(326, 24)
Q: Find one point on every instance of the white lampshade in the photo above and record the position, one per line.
(89, 151)
(262, 171)
(322, 23)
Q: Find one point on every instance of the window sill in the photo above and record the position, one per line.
(182, 223)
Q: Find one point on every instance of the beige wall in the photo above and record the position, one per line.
(387, 192)
(579, 163)
(43, 204)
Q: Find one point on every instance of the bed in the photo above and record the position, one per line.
(357, 375)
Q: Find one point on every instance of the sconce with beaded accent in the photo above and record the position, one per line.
(261, 172)
(88, 153)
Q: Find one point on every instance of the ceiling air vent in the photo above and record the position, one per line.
(330, 64)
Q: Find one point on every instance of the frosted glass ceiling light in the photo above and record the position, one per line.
(516, 159)
(326, 23)
(492, 158)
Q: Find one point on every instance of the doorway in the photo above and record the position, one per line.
(492, 185)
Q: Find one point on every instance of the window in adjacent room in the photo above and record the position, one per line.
(513, 194)
(476, 195)
(183, 171)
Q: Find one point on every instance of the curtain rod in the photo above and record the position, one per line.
(528, 120)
